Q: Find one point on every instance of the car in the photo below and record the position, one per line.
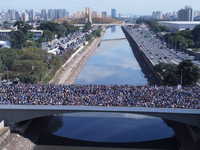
(151, 57)
(165, 57)
(160, 57)
(156, 54)
(150, 52)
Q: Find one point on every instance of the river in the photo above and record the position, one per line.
(112, 62)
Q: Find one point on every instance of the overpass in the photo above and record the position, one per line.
(16, 113)
(106, 24)
(113, 39)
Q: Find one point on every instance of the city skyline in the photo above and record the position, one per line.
(144, 7)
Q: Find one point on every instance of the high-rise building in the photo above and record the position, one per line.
(94, 14)
(12, 14)
(65, 13)
(185, 14)
(51, 14)
(157, 15)
(113, 13)
(31, 15)
(104, 14)
(24, 17)
(17, 16)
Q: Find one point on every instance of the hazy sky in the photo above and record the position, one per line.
(140, 7)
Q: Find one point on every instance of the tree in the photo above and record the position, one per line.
(196, 33)
(17, 39)
(21, 25)
(7, 56)
(189, 71)
(60, 30)
(169, 72)
(48, 26)
(87, 26)
(47, 35)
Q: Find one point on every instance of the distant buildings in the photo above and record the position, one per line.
(104, 14)
(157, 15)
(113, 13)
(185, 14)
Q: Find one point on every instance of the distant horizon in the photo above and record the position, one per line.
(134, 7)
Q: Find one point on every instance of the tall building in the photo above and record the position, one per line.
(51, 14)
(94, 14)
(185, 14)
(157, 15)
(65, 13)
(104, 14)
(12, 14)
(113, 13)
(24, 17)
(31, 15)
(17, 16)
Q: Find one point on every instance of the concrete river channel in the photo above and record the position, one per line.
(113, 62)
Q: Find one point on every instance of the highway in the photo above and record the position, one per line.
(155, 49)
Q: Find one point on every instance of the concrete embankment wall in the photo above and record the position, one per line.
(4, 132)
(136, 47)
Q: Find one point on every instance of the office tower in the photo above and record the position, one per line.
(185, 14)
(31, 15)
(113, 13)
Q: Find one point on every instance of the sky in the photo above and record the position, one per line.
(137, 7)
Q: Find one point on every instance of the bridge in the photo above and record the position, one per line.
(106, 24)
(16, 113)
(113, 39)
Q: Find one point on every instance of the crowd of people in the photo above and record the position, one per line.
(100, 95)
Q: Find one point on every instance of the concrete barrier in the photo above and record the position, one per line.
(4, 132)
(1, 124)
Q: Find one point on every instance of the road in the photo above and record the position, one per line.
(155, 49)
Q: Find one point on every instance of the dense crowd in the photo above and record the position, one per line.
(100, 95)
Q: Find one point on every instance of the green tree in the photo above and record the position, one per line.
(87, 26)
(196, 33)
(60, 30)
(189, 72)
(47, 35)
(7, 56)
(17, 38)
(21, 25)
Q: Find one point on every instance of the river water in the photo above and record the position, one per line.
(112, 62)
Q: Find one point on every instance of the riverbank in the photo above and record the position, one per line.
(71, 70)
